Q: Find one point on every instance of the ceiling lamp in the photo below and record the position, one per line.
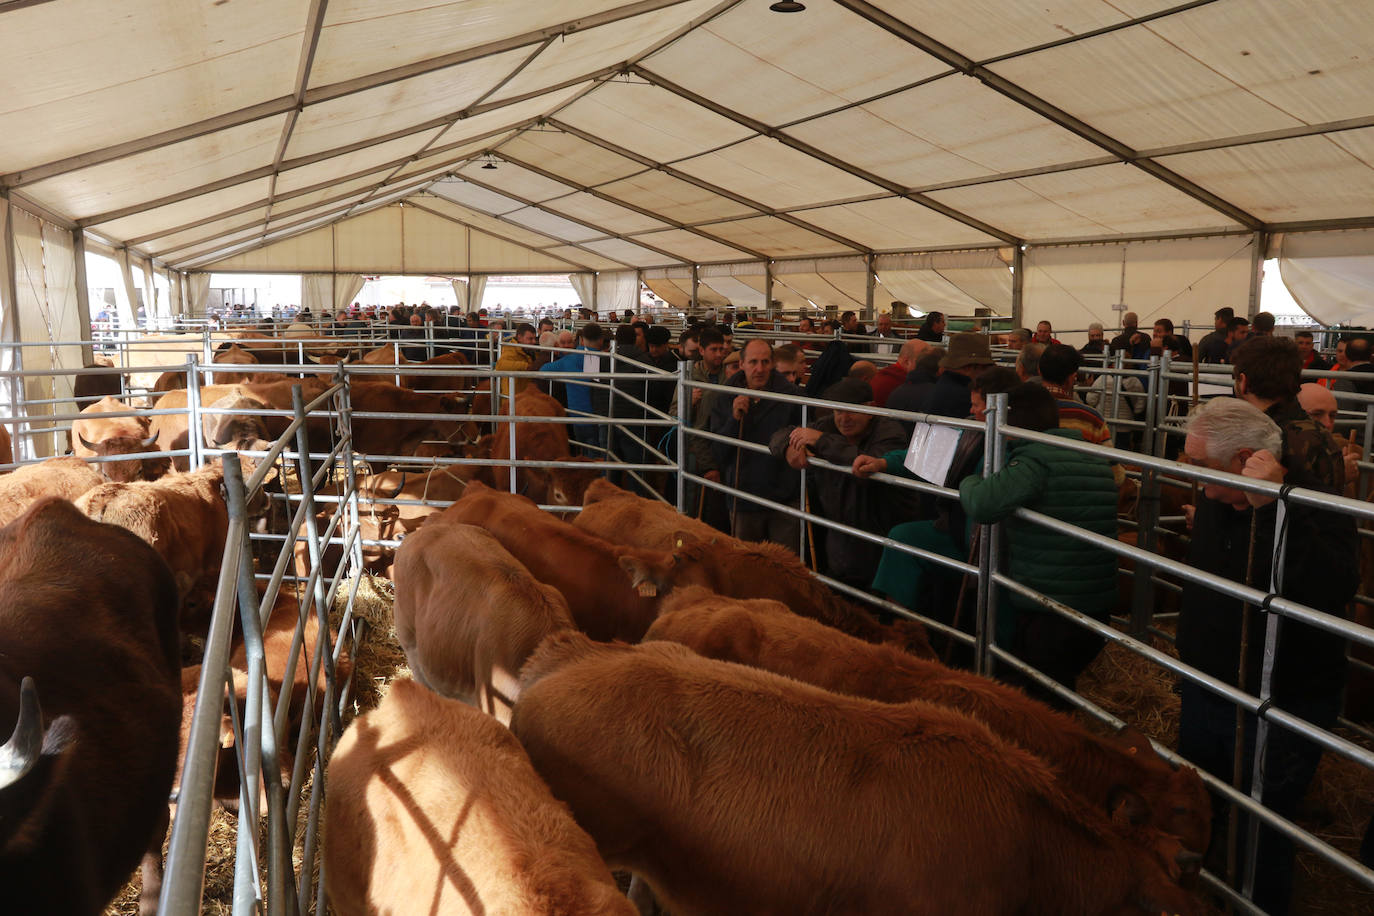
(490, 163)
(787, 6)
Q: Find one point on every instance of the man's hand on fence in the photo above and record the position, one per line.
(741, 406)
(1262, 465)
(868, 465)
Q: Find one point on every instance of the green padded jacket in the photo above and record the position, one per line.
(1072, 486)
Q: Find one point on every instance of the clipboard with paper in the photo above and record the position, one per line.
(931, 451)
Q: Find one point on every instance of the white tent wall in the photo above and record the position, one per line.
(477, 288)
(45, 299)
(954, 282)
(1330, 274)
(742, 284)
(198, 292)
(671, 284)
(730, 289)
(1182, 280)
(126, 297)
(839, 282)
(617, 290)
(460, 292)
(317, 293)
(346, 289)
(585, 287)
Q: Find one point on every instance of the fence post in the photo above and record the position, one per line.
(801, 502)
(684, 416)
(1147, 509)
(510, 407)
(344, 400)
(610, 412)
(1272, 625)
(312, 534)
(985, 623)
(193, 418)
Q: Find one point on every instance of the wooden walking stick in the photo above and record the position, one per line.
(1238, 752)
(963, 589)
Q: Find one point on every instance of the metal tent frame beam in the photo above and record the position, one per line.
(1056, 115)
(411, 202)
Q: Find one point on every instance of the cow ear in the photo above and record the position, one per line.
(684, 538)
(1126, 808)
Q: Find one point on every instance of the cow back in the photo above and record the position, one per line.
(66, 478)
(670, 761)
(1102, 770)
(430, 799)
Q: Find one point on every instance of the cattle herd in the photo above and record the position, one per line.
(630, 690)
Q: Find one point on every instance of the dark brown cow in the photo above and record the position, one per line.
(533, 441)
(90, 613)
(66, 478)
(184, 517)
(98, 436)
(737, 791)
(468, 614)
(6, 448)
(236, 356)
(89, 386)
(430, 800)
(1121, 776)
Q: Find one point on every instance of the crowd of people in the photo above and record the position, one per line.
(1273, 428)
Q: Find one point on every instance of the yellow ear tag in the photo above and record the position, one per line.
(678, 543)
(1130, 750)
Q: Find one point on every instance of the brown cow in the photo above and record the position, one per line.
(90, 386)
(468, 614)
(586, 569)
(742, 569)
(185, 518)
(1121, 776)
(89, 612)
(97, 436)
(430, 800)
(6, 448)
(66, 478)
(534, 441)
(237, 356)
(737, 791)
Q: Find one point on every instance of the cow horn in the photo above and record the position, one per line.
(149, 442)
(1188, 859)
(21, 752)
(399, 487)
(86, 443)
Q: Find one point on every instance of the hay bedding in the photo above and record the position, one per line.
(1338, 806)
(377, 661)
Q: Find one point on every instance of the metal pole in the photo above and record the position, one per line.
(312, 534)
(510, 406)
(1368, 436)
(610, 401)
(768, 289)
(193, 419)
(83, 295)
(1018, 285)
(345, 403)
(1271, 644)
(696, 283)
(870, 284)
(1147, 512)
(1257, 253)
(985, 622)
(801, 501)
(684, 415)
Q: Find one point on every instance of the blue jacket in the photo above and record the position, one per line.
(579, 395)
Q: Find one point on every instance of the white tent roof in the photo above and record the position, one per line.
(669, 132)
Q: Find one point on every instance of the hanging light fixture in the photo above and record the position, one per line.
(490, 163)
(787, 6)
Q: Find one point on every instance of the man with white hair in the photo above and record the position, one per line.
(1233, 534)
(1096, 345)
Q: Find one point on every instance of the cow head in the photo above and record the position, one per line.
(568, 486)
(1183, 807)
(130, 469)
(653, 572)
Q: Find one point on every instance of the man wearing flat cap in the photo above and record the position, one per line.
(840, 437)
(969, 354)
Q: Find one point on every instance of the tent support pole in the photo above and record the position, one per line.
(83, 295)
(1018, 284)
(768, 289)
(870, 285)
(1261, 245)
(696, 282)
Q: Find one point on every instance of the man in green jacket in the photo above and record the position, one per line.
(1068, 485)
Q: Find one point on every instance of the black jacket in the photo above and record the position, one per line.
(760, 474)
(948, 397)
(867, 504)
(911, 394)
(1321, 570)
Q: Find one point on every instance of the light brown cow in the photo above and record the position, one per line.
(236, 356)
(66, 478)
(431, 801)
(185, 518)
(88, 612)
(586, 569)
(533, 441)
(737, 791)
(619, 516)
(97, 436)
(6, 448)
(468, 614)
(1121, 776)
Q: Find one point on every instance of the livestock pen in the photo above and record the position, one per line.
(276, 858)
